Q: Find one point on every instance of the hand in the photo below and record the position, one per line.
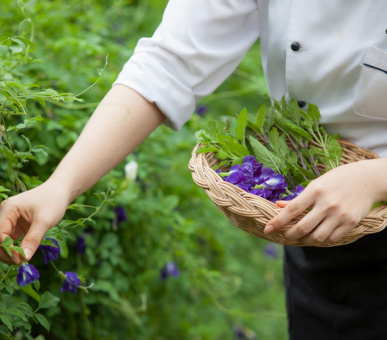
(339, 200)
(31, 213)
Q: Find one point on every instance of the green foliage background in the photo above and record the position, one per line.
(227, 289)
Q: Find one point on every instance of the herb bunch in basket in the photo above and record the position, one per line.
(291, 149)
(274, 154)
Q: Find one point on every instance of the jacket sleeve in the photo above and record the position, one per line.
(196, 47)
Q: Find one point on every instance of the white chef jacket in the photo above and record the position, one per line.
(331, 53)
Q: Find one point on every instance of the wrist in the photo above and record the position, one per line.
(62, 188)
(376, 175)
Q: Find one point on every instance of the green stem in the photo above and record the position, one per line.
(6, 274)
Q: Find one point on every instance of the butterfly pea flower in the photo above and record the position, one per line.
(253, 177)
(201, 110)
(120, 216)
(264, 192)
(50, 252)
(294, 194)
(242, 333)
(80, 246)
(170, 269)
(275, 182)
(257, 167)
(240, 175)
(271, 250)
(26, 274)
(235, 175)
(71, 282)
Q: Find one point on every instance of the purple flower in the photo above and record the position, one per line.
(267, 172)
(26, 274)
(271, 251)
(242, 333)
(239, 334)
(264, 192)
(170, 269)
(240, 175)
(120, 216)
(50, 252)
(201, 110)
(275, 182)
(71, 282)
(235, 175)
(257, 167)
(80, 246)
(299, 190)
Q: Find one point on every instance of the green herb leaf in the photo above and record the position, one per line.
(268, 158)
(241, 126)
(207, 149)
(6, 321)
(47, 300)
(17, 312)
(43, 321)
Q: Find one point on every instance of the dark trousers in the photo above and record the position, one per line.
(338, 293)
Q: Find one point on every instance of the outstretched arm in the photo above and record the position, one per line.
(119, 124)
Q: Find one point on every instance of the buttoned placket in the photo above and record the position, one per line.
(293, 49)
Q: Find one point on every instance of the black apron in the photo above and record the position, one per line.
(338, 293)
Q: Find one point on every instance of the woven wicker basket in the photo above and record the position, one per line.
(251, 213)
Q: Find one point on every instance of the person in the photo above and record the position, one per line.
(330, 53)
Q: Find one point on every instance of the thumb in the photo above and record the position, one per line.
(32, 239)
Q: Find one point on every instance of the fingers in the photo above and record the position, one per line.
(33, 237)
(8, 219)
(4, 257)
(306, 226)
(291, 210)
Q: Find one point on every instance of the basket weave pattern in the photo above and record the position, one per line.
(251, 213)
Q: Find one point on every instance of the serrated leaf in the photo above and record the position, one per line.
(274, 139)
(231, 126)
(269, 120)
(294, 111)
(291, 128)
(202, 136)
(47, 300)
(43, 321)
(313, 112)
(261, 115)
(268, 158)
(241, 126)
(335, 150)
(236, 149)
